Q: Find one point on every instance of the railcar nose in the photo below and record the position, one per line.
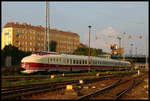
(24, 65)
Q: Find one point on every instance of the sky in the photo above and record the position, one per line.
(108, 20)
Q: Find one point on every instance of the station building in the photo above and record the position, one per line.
(31, 38)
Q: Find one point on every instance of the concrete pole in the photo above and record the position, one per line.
(136, 52)
(124, 44)
(131, 49)
(48, 25)
(45, 36)
(89, 61)
(146, 55)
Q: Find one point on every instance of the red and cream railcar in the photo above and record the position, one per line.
(64, 62)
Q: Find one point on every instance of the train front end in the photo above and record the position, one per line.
(30, 64)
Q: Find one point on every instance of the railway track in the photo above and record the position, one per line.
(128, 89)
(42, 84)
(104, 91)
(26, 90)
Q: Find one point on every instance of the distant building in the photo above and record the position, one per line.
(30, 38)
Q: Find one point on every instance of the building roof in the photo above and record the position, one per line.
(82, 45)
(39, 27)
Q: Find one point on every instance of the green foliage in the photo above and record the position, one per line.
(53, 45)
(16, 57)
(84, 51)
(5, 83)
(81, 51)
(93, 72)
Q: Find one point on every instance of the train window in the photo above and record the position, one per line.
(70, 61)
(83, 62)
(93, 61)
(90, 62)
(64, 60)
(74, 62)
(59, 59)
(116, 64)
(79, 61)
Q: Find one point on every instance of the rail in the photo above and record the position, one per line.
(107, 88)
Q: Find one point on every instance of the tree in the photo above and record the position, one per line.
(84, 51)
(15, 54)
(53, 45)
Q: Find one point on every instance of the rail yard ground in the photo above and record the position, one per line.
(139, 92)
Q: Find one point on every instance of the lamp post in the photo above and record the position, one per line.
(131, 49)
(124, 44)
(89, 62)
(119, 38)
(45, 36)
(47, 29)
(136, 52)
(146, 64)
(48, 25)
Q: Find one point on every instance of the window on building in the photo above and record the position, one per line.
(30, 43)
(30, 49)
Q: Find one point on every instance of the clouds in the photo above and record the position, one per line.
(106, 37)
(109, 32)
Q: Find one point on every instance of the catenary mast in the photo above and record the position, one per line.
(47, 29)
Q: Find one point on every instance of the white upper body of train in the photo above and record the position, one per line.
(36, 62)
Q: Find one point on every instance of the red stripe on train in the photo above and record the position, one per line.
(35, 66)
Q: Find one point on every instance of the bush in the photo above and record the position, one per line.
(13, 51)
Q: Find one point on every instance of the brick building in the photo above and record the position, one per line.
(30, 38)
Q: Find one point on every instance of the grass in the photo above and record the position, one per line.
(57, 77)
